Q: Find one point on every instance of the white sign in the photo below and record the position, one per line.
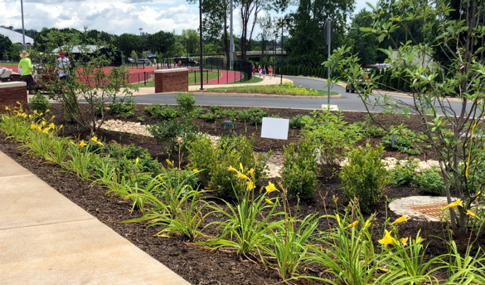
(275, 128)
(329, 107)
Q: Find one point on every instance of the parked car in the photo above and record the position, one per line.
(145, 61)
(185, 61)
(363, 83)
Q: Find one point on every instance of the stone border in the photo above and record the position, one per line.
(400, 206)
(171, 70)
(13, 84)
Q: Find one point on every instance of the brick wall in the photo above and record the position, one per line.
(170, 80)
(11, 92)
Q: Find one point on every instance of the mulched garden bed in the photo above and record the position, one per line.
(198, 264)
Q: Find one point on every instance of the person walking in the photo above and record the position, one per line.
(63, 66)
(260, 70)
(25, 65)
(263, 71)
(270, 70)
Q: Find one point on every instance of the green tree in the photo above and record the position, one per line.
(127, 43)
(365, 45)
(161, 41)
(190, 40)
(5, 46)
(449, 131)
(307, 45)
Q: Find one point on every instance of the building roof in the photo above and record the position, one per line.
(15, 37)
(79, 49)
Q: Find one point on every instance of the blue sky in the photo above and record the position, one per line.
(112, 16)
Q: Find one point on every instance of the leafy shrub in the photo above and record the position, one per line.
(213, 163)
(331, 134)
(364, 176)
(124, 108)
(431, 180)
(185, 102)
(402, 139)
(211, 117)
(300, 169)
(39, 103)
(133, 154)
(161, 112)
(169, 131)
(369, 130)
(403, 174)
(296, 122)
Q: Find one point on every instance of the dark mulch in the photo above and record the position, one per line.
(195, 263)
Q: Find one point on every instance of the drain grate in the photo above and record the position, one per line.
(432, 210)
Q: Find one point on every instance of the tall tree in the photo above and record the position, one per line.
(127, 43)
(190, 40)
(307, 42)
(161, 41)
(5, 46)
(365, 45)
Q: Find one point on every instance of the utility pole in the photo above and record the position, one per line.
(23, 27)
(201, 57)
(328, 27)
(231, 45)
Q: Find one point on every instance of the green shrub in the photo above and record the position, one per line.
(296, 122)
(39, 103)
(124, 108)
(213, 163)
(185, 102)
(331, 134)
(430, 180)
(403, 173)
(170, 131)
(404, 140)
(300, 170)
(161, 112)
(131, 153)
(364, 176)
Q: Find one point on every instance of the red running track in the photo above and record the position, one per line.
(138, 74)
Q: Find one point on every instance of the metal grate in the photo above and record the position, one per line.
(432, 210)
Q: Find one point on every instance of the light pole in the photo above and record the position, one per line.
(328, 27)
(23, 27)
(200, 36)
(231, 45)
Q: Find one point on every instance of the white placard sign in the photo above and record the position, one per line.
(275, 128)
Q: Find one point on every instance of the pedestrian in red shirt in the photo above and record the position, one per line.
(270, 71)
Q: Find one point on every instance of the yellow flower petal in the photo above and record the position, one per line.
(471, 214)
(251, 172)
(387, 239)
(419, 240)
(169, 162)
(353, 224)
(250, 185)
(404, 241)
(195, 170)
(94, 139)
(457, 203)
(242, 176)
(268, 201)
(270, 188)
(82, 143)
(52, 126)
(232, 169)
(137, 160)
(402, 219)
(33, 126)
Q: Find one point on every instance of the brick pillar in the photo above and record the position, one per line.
(170, 80)
(13, 92)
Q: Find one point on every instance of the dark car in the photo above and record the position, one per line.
(185, 61)
(145, 61)
(362, 83)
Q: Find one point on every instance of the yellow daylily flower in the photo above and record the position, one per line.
(94, 139)
(404, 241)
(232, 169)
(270, 188)
(46, 131)
(268, 201)
(33, 126)
(471, 214)
(52, 126)
(195, 170)
(367, 224)
(240, 166)
(338, 218)
(24, 115)
(7, 108)
(387, 239)
(169, 162)
(82, 143)
(251, 185)
(242, 176)
(419, 240)
(100, 143)
(353, 224)
(137, 160)
(39, 129)
(457, 203)
(43, 123)
(47, 111)
(402, 219)
(251, 172)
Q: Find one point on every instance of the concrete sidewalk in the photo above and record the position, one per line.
(47, 239)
